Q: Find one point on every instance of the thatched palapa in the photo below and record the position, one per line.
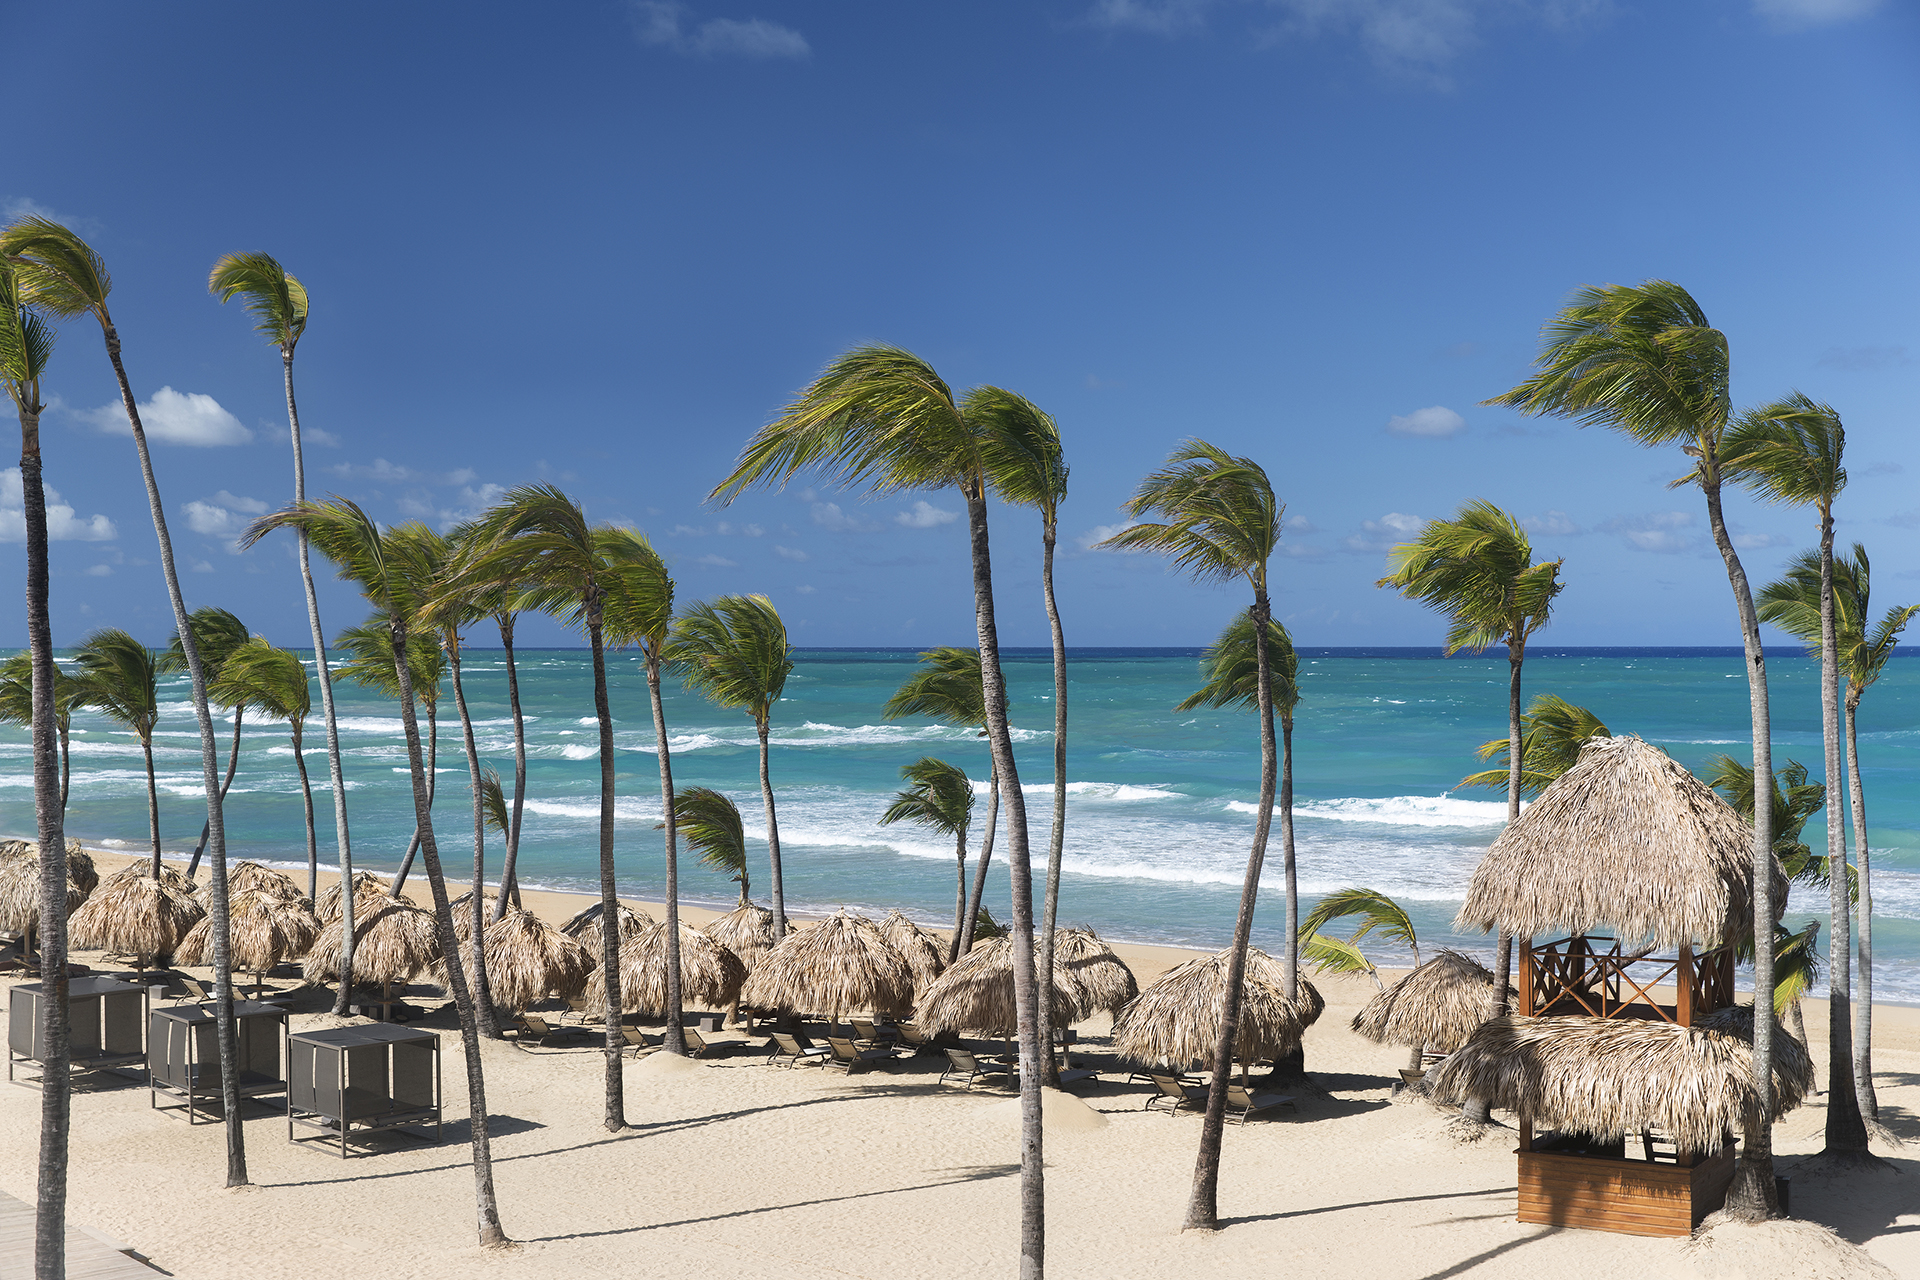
(264, 929)
(1625, 843)
(747, 931)
(841, 965)
(393, 942)
(1437, 1006)
(976, 994)
(20, 882)
(527, 959)
(367, 887)
(246, 876)
(920, 949)
(710, 975)
(462, 908)
(585, 924)
(133, 914)
(1108, 984)
(1609, 1077)
(1176, 1021)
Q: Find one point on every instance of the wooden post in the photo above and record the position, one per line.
(1526, 992)
(1684, 980)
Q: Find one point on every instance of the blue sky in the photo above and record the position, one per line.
(600, 243)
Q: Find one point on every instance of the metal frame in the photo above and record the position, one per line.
(188, 1088)
(337, 1044)
(23, 1027)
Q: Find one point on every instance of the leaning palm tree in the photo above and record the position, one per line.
(275, 680)
(1551, 735)
(26, 344)
(1221, 523)
(940, 799)
(711, 823)
(734, 651)
(1793, 605)
(368, 664)
(120, 678)
(279, 306)
(881, 417)
(394, 569)
(16, 707)
(1478, 569)
(1378, 913)
(1642, 360)
(506, 612)
(216, 633)
(946, 687)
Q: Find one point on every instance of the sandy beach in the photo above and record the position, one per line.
(736, 1169)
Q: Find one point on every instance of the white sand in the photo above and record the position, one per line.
(733, 1168)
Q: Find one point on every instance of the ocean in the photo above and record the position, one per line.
(1160, 808)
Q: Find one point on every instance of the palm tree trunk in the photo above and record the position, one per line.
(433, 781)
(306, 801)
(483, 1020)
(1057, 838)
(1516, 655)
(66, 766)
(1797, 1023)
(773, 834)
(56, 1091)
(1203, 1209)
(1846, 1132)
(1863, 1007)
(1033, 1218)
(964, 943)
(153, 806)
(616, 1111)
(226, 785)
(491, 1233)
(676, 1042)
(959, 893)
(1753, 1197)
(210, 767)
(509, 869)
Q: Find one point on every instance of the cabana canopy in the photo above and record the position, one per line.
(20, 882)
(710, 975)
(1625, 843)
(976, 994)
(747, 931)
(840, 965)
(367, 887)
(1436, 1006)
(526, 959)
(1108, 985)
(916, 946)
(264, 929)
(133, 914)
(585, 923)
(1176, 1021)
(393, 941)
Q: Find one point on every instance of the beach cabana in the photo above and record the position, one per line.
(527, 960)
(585, 924)
(264, 929)
(249, 875)
(1627, 884)
(462, 908)
(1434, 1008)
(20, 884)
(747, 931)
(842, 964)
(133, 914)
(920, 949)
(393, 942)
(1108, 985)
(367, 887)
(976, 994)
(710, 975)
(1176, 1021)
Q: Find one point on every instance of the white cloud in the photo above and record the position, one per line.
(804, 591)
(1553, 523)
(744, 530)
(1165, 18)
(203, 566)
(1760, 541)
(215, 521)
(1659, 531)
(15, 207)
(252, 506)
(667, 25)
(715, 562)
(175, 417)
(687, 531)
(1300, 524)
(62, 524)
(103, 570)
(1434, 422)
(828, 515)
(1382, 534)
(1092, 538)
(1808, 13)
(794, 554)
(924, 515)
(379, 470)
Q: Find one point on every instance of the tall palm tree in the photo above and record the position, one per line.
(275, 680)
(881, 417)
(1222, 523)
(505, 614)
(217, 633)
(733, 650)
(280, 308)
(946, 687)
(711, 823)
(121, 679)
(1642, 360)
(1793, 605)
(940, 799)
(1793, 451)
(538, 540)
(394, 569)
(367, 664)
(26, 345)
(62, 277)
(16, 707)
(1551, 735)
(1478, 569)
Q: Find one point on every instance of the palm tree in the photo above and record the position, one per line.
(26, 344)
(711, 823)
(275, 680)
(1378, 914)
(1551, 735)
(16, 707)
(368, 665)
(1478, 569)
(61, 276)
(940, 799)
(946, 687)
(1792, 604)
(538, 539)
(395, 570)
(1642, 360)
(121, 679)
(1222, 522)
(217, 633)
(881, 417)
(279, 306)
(505, 613)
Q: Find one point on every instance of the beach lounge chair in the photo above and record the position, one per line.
(532, 1027)
(789, 1052)
(1241, 1104)
(638, 1041)
(917, 1041)
(576, 1009)
(701, 1048)
(850, 1057)
(963, 1063)
(1174, 1094)
(869, 1036)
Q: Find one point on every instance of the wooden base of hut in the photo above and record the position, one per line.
(1578, 1186)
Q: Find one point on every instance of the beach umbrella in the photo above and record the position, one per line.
(393, 942)
(710, 975)
(527, 959)
(747, 931)
(1108, 984)
(462, 907)
(1176, 1021)
(20, 884)
(585, 923)
(841, 964)
(976, 994)
(921, 950)
(245, 876)
(1607, 1077)
(134, 914)
(367, 887)
(1436, 1006)
(265, 929)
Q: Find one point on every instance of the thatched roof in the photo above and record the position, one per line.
(264, 929)
(747, 931)
(710, 975)
(133, 914)
(1176, 1021)
(1609, 1077)
(585, 924)
(1436, 1006)
(246, 875)
(1627, 843)
(976, 994)
(463, 913)
(921, 950)
(20, 882)
(1109, 985)
(367, 887)
(393, 941)
(526, 960)
(841, 965)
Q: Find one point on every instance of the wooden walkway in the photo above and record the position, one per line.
(88, 1257)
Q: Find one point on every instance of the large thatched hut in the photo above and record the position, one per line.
(842, 964)
(367, 888)
(1107, 983)
(920, 949)
(264, 929)
(134, 914)
(1176, 1021)
(20, 884)
(747, 931)
(585, 923)
(247, 875)
(976, 994)
(393, 943)
(710, 975)
(527, 960)
(1435, 1007)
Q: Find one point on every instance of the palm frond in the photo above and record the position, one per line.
(367, 651)
(945, 687)
(710, 824)
(1222, 519)
(1020, 449)
(1551, 734)
(277, 301)
(1478, 569)
(493, 801)
(57, 272)
(733, 650)
(1789, 451)
(1328, 954)
(16, 691)
(1377, 912)
(120, 677)
(940, 797)
(1231, 667)
(258, 674)
(216, 634)
(26, 342)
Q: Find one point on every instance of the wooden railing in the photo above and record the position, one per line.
(1574, 976)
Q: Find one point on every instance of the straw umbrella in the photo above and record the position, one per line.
(134, 914)
(393, 942)
(20, 884)
(247, 876)
(1109, 985)
(747, 931)
(710, 975)
(463, 918)
(527, 959)
(1176, 1021)
(921, 951)
(843, 964)
(365, 885)
(1609, 1077)
(268, 928)
(585, 924)
(1439, 1004)
(976, 994)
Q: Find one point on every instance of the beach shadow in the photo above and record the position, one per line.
(1859, 1206)
(1367, 1204)
(461, 1130)
(1468, 1264)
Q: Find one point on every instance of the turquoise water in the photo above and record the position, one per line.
(1160, 812)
